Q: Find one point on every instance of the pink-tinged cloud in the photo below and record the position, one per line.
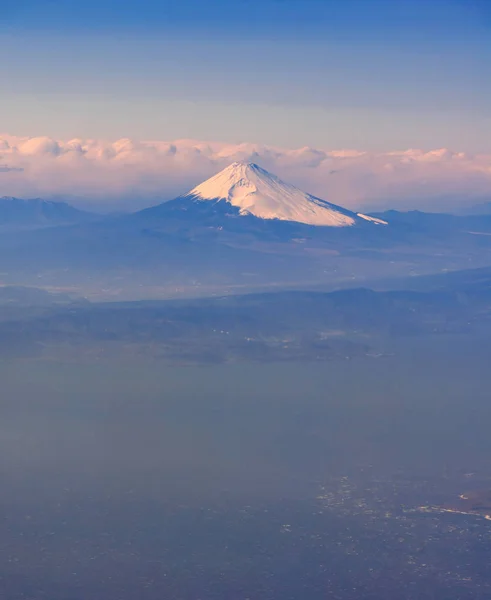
(133, 174)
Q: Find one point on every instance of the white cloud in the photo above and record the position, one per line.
(38, 146)
(135, 174)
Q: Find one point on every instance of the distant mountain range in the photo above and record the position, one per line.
(273, 326)
(16, 212)
(436, 222)
(242, 229)
(483, 208)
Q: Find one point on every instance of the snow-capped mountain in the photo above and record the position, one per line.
(254, 191)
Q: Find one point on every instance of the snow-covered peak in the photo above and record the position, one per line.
(256, 192)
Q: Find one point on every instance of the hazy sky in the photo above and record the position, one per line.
(366, 74)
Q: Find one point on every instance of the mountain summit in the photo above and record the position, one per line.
(254, 191)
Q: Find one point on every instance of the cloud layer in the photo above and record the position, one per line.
(128, 174)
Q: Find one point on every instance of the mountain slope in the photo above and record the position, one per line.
(253, 191)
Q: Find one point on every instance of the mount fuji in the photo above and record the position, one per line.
(245, 189)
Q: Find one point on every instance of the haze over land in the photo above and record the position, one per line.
(243, 391)
(245, 300)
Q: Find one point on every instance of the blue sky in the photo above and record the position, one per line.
(370, 74)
